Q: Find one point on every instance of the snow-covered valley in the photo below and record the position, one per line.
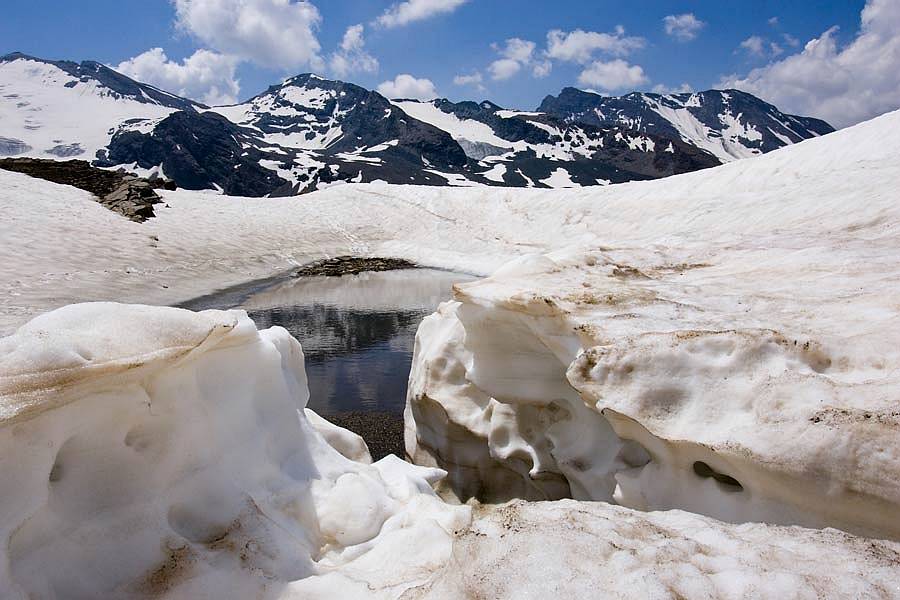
(717, 347)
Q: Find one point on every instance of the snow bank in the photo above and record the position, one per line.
(741, 367)
(158, 452)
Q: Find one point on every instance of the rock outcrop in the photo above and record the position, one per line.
(123, 193)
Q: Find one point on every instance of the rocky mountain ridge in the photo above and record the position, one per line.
(307, 133)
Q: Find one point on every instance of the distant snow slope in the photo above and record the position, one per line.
(59, 109)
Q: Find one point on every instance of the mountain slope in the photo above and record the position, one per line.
(307, 133)
(520, 146)
(728, 123)
(64, 109)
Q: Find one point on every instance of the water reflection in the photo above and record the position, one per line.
(357, 331)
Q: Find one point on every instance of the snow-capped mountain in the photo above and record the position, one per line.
(308, 132)
(64, 109)
(728, 123)
(530, 148)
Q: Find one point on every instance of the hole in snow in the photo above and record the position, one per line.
(729, 484)
(56, 472)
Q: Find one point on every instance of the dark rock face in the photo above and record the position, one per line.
(351, 132)
(586, 152)
(715, 109)
(126, 194)
(198, 151)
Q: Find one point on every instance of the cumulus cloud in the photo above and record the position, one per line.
(504, 68)
(517, 49)
(406, 12)
(204, 76)
(684, 27)
(271, 33)
(580, 46)
(407, 86)
(613, 75)
(515, 54)
(351, 55)
(843, 85)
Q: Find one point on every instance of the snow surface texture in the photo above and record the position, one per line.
(156, 452)
(797, 244)
(159, 452)
(742, 368)
(203, 241)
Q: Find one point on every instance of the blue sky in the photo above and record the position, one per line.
(623, 46)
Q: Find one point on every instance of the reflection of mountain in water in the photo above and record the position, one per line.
(355, 360)
(328, 331)
(357, 331)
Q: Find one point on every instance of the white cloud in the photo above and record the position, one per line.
(790, 40)
(579, 46)
(351, 56)
(613, 75)
(407, 86)
(684, 27)
(773, 21)
(542, 69)
(504, 68)
(204, 76)
(754, 45)
(272, 33)
(517, 49)
(474, 79)
(515, 54)
(843, 85)
(775, 49)
(406, 12)
(684, 88)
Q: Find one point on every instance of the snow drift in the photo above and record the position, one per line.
(158, 452)
(731, 358)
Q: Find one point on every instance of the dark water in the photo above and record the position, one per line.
(357, 331)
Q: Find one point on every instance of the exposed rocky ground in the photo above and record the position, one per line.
(352, 265)
(382, 431)
(123, 193)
